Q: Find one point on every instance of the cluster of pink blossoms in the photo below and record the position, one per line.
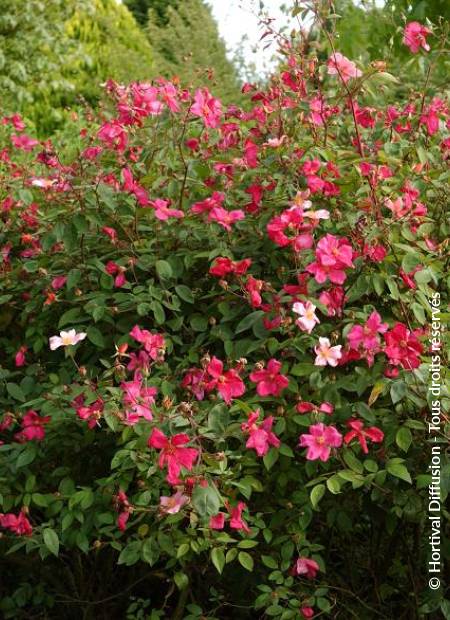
(292, 227)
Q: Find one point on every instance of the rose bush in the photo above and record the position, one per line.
(215, 349)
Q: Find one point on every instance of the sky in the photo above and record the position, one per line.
(238, 18)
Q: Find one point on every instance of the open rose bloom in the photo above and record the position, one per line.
(308, 320)
(339, 65)
(415, 37)
(326, 354)
(319, 442)
(66, 339)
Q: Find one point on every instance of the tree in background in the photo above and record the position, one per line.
(32, 47)
(140, 9)
(56, 53)
(112, 44)
(186, 43)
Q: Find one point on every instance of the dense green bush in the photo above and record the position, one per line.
(193, 295)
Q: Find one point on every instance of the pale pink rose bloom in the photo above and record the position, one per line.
(326, 354)
(66, 339)
(173, 504)
(43, 183)
(338, 64)
(320, 214)
(308, 319)
(301, 200)
(275, 142)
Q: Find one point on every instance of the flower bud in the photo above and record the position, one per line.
(122, 348)
(167, 402)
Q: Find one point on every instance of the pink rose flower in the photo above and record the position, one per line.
(415, 37)
(270, 381)
(320, 440)
(338, 64)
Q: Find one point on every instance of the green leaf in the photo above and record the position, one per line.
(419, 312)
(181, 580)
(199, 323)
(410, 260)
(218, 559)
(247, 544)
(303, 369)
(398, 470)
(231, 555)
(185, 293)
(51, 540)
(334, 485)
(371, 466)
(269, 561)
(150, 551)
(393, 288)
(398, 391)
(376, 391)
(403, 438)
(163, 269)
(15, 391)
(130, 554)
(95, 336)
(27, 455)
(246, 560)
(73, 278)
(286, 450)
(316, 495)
(182, 550)
(248, 321)
(41, 500)
(158, 312)
(270, 458)
(351, 460)
(206, 500)
(218, 419)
